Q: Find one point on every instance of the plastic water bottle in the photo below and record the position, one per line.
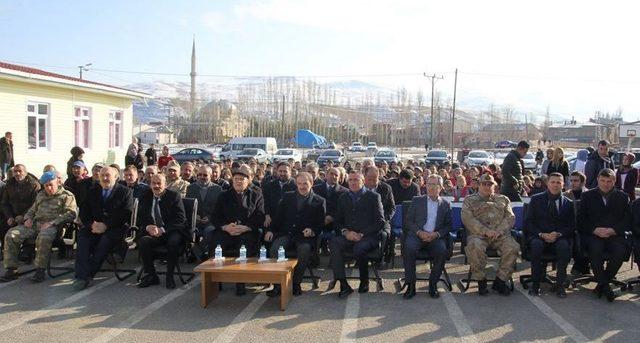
(263, 253)
(243, 252)
(218, 252)
(281, 253)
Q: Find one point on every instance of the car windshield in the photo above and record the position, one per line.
(284, 152)
(356, 144)
(478, 154)
(437, 153)
(331, 153)
(528, 156)
(249, 152)
(385, 154)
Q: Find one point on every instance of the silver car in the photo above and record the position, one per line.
(479, 158)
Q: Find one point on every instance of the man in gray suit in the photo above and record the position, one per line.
(428, 223)
(207, 194)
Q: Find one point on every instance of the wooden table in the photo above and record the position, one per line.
(251, 271)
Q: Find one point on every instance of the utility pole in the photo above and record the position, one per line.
(453, 111)
(433, 81)
(283, 142)
(84, 68)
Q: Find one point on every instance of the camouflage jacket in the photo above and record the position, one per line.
(482, 214)
(58, 208)
(179, 185)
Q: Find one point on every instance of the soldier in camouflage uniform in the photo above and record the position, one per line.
(175, 182)
(53, 206)
(488, 219)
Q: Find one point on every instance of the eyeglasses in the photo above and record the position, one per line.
(488, 184)
(203, 174)
(433, 185)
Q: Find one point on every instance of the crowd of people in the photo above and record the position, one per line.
(346, 209)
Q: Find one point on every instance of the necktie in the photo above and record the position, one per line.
(156, 213)
(105, 195)
(553, 208)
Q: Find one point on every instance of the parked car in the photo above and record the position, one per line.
(193, 154)
(437, 157)
(258, 154)
(529, 161)
(325, 145)
(386, 156)
(372, 148)
(357, 147)
(505, 144)
(336, 156)
(286, 154)
(479, 158)
(313, 155)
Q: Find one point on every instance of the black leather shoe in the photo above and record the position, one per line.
(364, 286)
(297, 290)
(38, 276)
(433, 292)
(274, 292)
(10, 275)
(609, 294)
(500, 286)
(482, 287)
(170, 283)
(561, 293)
(240, 289)
(599, 291)
(149, 280)
(534, 291)
(411, 291)
(345, 290)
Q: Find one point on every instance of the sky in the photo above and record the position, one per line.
(574, 57)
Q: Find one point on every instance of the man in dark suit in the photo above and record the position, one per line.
(549, 224)
(330, 190)
(359, 222)
(635, 228)
(604, 216)
(274, 190)
(162, 221)
(299, 220)
(372, 182)
(104, 216)
(404, 189)
(207, 193)
(238, 215)
(215, 177)
(131, 181)
(428, 224)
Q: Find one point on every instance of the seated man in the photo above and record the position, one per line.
(549, 223)
(299, 218)
(19, 195)
(488, 219)
(161, 221)
(428, 225)
(238, 215)
(359, 223)
(207, 193)
(175, 182)
(131, 181)
(104, 216)
(52, 208)
(577, 181)
(603, 217)
(403, 187)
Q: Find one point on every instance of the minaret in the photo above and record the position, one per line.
(192, 103)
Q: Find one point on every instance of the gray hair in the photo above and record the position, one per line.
(437, 177)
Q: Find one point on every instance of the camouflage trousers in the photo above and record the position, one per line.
(476, 251)
(16, 236)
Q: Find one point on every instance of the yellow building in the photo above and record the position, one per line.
(50, 113)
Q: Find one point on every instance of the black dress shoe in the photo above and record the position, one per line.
(364, 286)
(433, 292)
(609, 294)
(10, 275)
(274, 292)
(170, 283)
(561, 293)
(534, 291)
(599, 291)
(345, 290)
(411, 291)
(240, 289)
(500, 286)
(297, 290)
(482, 287)
(149, 280)
(38, 276)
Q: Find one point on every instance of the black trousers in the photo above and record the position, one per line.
(250, 240)
(174, 242)
(562, 249)
(340, 244)
(303, 254)
(436, 249)
(92, 250)
(511, 194)
(616, 250)
(580, 254)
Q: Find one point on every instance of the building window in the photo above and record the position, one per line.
(82, 126)
(37, 125)
(115, 129)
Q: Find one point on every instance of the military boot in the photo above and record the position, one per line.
(38, 276)
(10, 275)
(500, 286)
(482, 287)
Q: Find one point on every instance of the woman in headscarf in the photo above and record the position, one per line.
(627, 176)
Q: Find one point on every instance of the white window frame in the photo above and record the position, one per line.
(85, 115)
(112, 133)
(38, 117)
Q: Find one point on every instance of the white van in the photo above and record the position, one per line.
(238, 144)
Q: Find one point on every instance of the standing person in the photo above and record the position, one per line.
(559, 165)
(216, 178)
(132, 152)
(151, 155)
(6, 154)
(545, 163)
(79, 184)
(581, 160)
(597, 161)
(138, 161)
(164, 159)
(274, 190)
(627, 176)
(512, 184)
(404, 189)
(76, 155)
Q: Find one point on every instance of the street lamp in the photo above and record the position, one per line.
(84, 68)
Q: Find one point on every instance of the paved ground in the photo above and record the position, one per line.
(120, 312)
